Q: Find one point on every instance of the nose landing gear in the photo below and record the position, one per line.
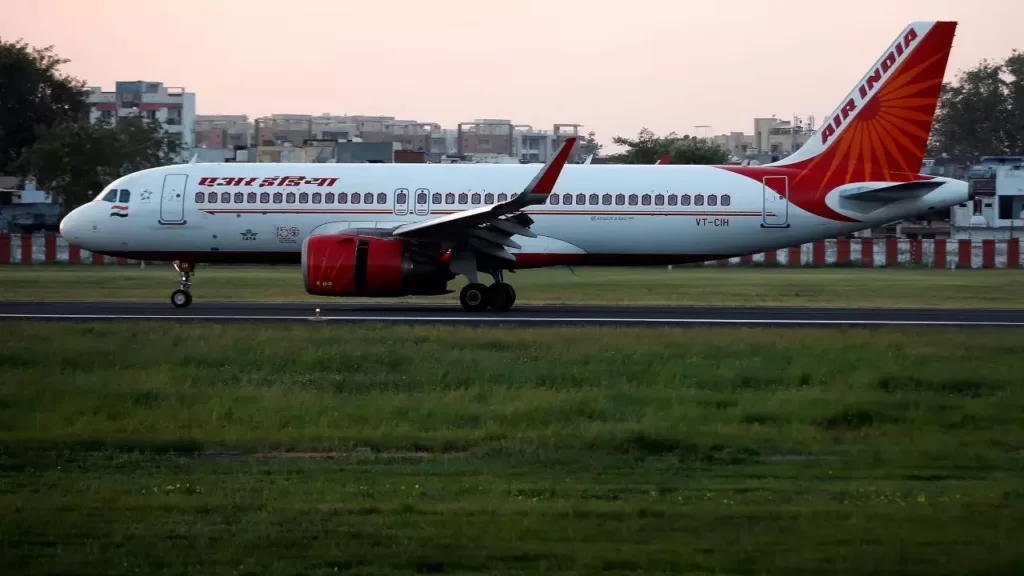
(182, 297)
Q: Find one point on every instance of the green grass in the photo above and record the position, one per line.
(316, 448)
(894, 287)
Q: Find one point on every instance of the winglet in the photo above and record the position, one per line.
(663, 160)
(537, 191)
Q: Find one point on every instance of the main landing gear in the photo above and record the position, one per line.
(477, 297)
(182, 297)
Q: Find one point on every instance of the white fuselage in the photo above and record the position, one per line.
(631, 214)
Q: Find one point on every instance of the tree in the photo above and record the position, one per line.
(981, 113)
(36, 97)
(589, 145)
(648, 147)
(76, 161)
(45, 130)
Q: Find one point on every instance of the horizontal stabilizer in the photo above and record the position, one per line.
(893, 193)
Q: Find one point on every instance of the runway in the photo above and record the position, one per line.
(536, 315)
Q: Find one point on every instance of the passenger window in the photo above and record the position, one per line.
(317, 197)
(593, 199)
(698, 200)
(264, 197)
(200, 197)
(659, 200)
(435, 198)
(382, 198)
(125, 197)
(581, 199)
(554, 199)
(449, 198)
(239, 197)
(684, 200)
(646, 200)
(502, 197)
(329, 198)
(289, 198)
(402, 198)
(620, 199)
(489, 198)
(712, 200)
(250, 198)
(356, 197)
(726, 200)
(278, 197)
(634, 199)
(463, 198)
(225, 197)
(673, 199)
(368, 198)
(567, 199)
(476, 198)
(606, 199)
(211, 197)
(342, 197)
(303, 197)
(421, 198)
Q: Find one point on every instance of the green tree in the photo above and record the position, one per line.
(45, 130)
(981, 112)
(77, 160)
(35, 96)
(648, 148)
(589, 145)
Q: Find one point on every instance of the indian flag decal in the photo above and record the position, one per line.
(121, 211)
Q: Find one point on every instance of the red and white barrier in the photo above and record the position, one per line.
(859, 252)
(47, 249)
(887, 252)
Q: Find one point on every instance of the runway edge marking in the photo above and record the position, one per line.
(513, 319)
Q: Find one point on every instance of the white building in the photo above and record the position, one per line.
(997, 211)
(173, 107)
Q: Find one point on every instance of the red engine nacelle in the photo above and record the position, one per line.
(354, 265)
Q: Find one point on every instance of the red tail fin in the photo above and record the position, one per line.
(880, 131)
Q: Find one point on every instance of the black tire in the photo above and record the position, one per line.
(181, 298)
(473, 297)
(500, 297)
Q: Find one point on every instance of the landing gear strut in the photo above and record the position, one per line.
(476, 297)
(182, 297)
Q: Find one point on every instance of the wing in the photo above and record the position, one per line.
(489, 229)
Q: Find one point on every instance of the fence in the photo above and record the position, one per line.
(860, 252)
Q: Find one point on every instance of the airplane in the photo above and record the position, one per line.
(662, 160)
(395, 230)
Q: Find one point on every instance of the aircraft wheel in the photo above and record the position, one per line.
(474, 297)
(181, 298)
(500, 297)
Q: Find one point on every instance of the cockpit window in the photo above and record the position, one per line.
(125, 196)
(110, 196)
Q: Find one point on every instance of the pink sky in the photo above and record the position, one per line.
(612, 66)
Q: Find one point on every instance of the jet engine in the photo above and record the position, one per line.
(358, 265)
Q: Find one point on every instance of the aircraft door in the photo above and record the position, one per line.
(401, 201)
(775, 205)
(422, 201)
(172, 199)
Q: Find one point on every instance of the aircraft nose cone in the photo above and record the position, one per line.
(69, 225)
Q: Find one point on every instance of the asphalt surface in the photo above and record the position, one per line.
(521, 314)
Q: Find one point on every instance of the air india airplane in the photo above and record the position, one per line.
(391, 230)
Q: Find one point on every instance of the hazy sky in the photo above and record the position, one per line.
(613, 66)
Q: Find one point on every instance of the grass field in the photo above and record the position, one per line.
(688, 285)
(315, 449)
